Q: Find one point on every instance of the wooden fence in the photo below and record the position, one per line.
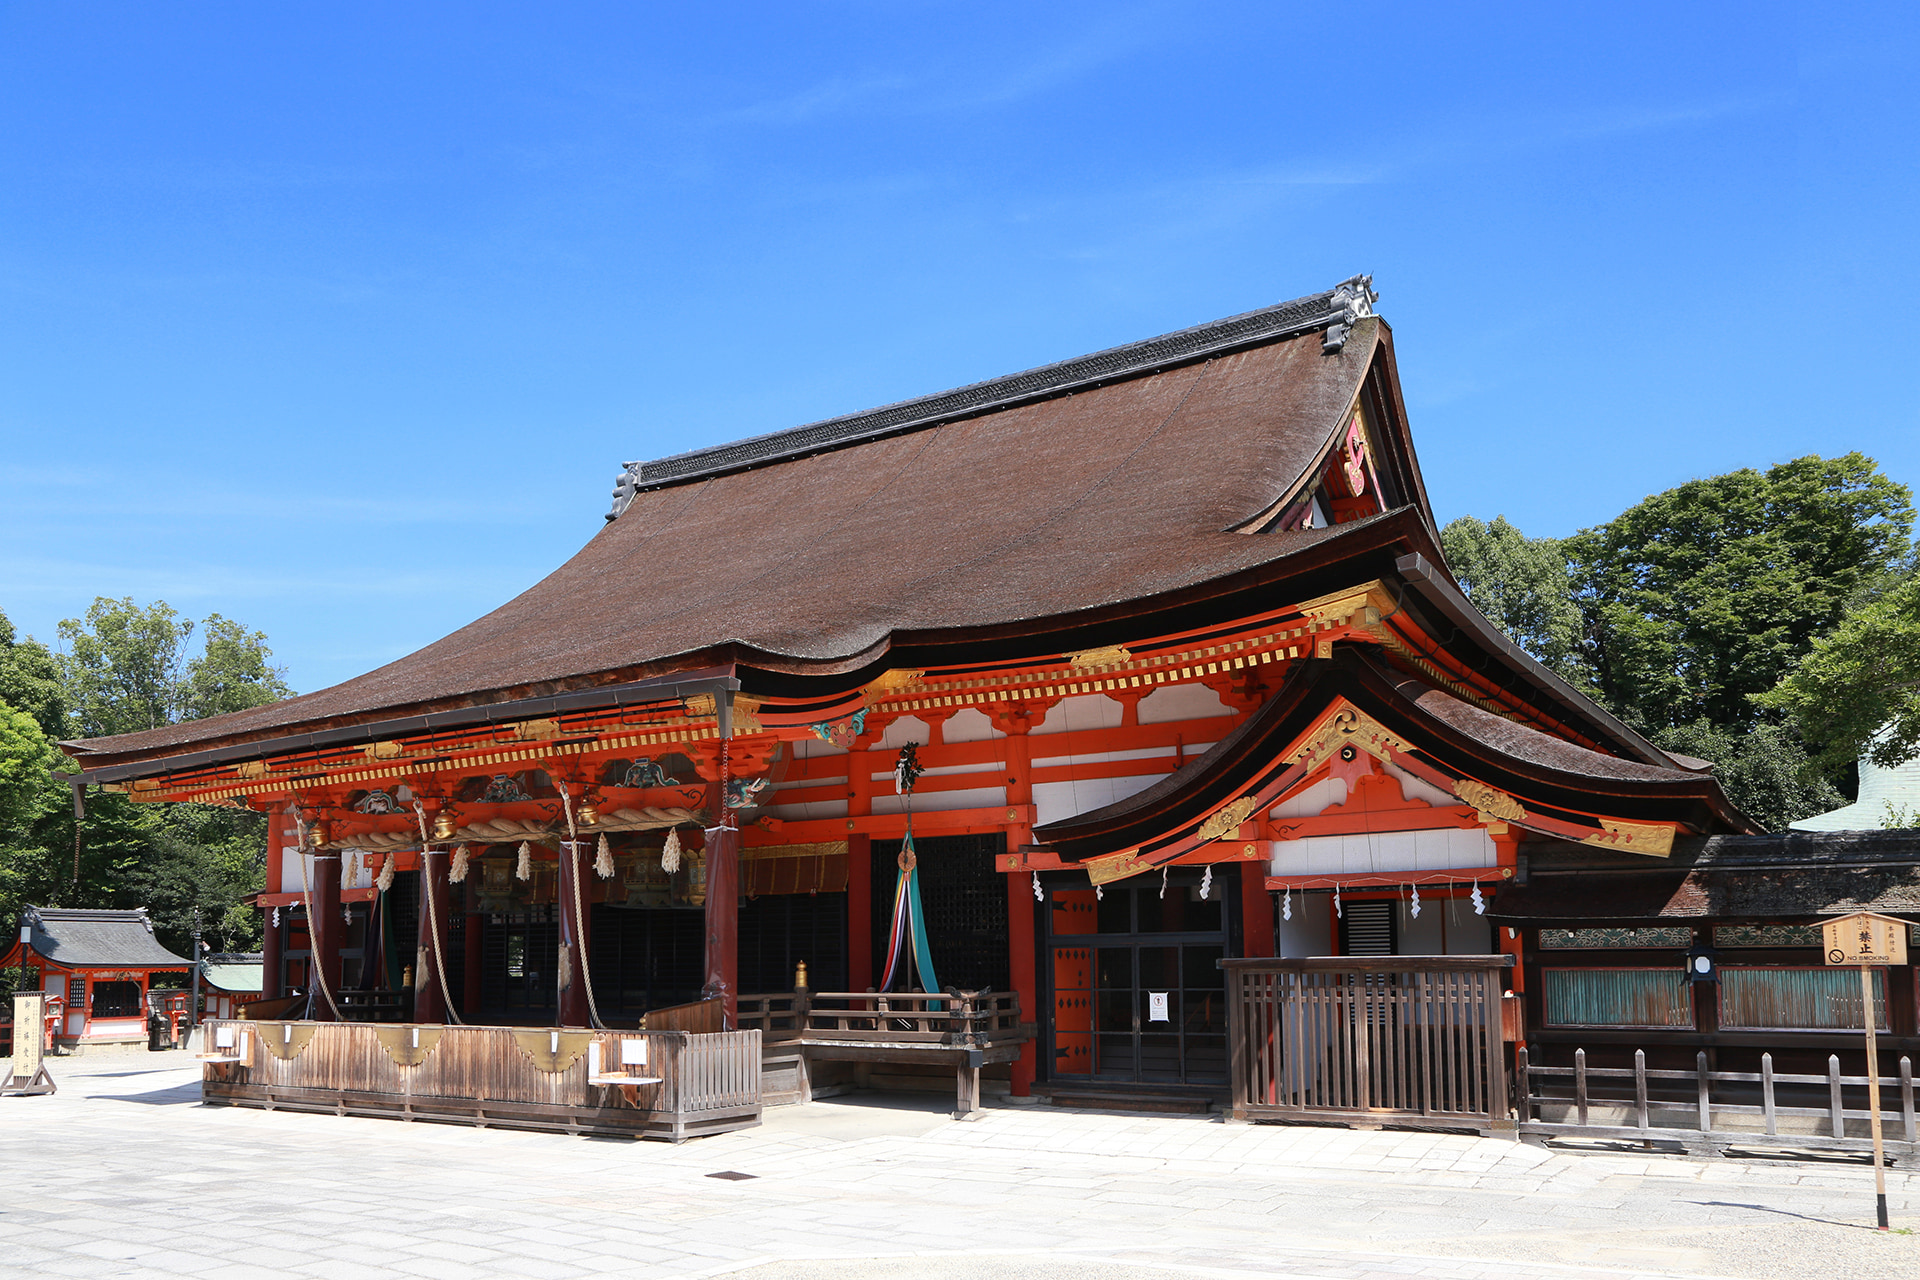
(671, 1084)
(1708, 1111)
(1370, 1040)
(962, 1029)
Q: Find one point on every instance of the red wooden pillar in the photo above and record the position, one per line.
(723, 921)
(273, 939)
(475, 960)
(1507, 851)
(1256, 910)
(429, 1004)
(573, 938)
(1016, 722)
(859, 911)
(323, 933)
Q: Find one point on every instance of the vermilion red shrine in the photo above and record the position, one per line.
(1169, 625)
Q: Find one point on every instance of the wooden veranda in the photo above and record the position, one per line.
(660, 1084)
(1370, 1041)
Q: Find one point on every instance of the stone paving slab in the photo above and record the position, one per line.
(123, 1173)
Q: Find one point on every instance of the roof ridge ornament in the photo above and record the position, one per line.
(1335, 310)
(1353, 298)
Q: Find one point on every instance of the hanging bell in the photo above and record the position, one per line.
(444, 826)
(317, 835)
(587, 815)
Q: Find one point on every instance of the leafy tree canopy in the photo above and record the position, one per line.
(126, 668)
(1522, 585)
(1701, 597)
(1858, 691)
(1765, 770)
(30, 680)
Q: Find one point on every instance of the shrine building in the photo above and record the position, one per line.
(1170, 631)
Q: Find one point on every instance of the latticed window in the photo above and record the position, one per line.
(1653, 998)
(1797, 999)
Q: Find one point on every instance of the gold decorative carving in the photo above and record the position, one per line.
(383, 750)
(1107, 656)
(1653, 839)
(701, 704)
(408, 1046)
(1360, 606)
(1348, 726)
(745, 719)
(553, 1051)
(1490, 803)
(536, 730)
(1226, 821)
(286, 1040)
(1116, 866)
(891, 682)
(251, 769)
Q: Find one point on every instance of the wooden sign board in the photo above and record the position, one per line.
(1865, 938)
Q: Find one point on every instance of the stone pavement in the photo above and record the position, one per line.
(123, 1174)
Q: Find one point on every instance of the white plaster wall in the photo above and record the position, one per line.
(1311, 800)
(1053, 801)
(902, 731)
(1079, 713)
(1310, 932)
(934, 801)
(1181, 702)
(808, 747)
(1444, 849)
(969, 724)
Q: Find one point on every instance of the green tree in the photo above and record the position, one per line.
(1699, 598)
(30, 680)
(29, 799)
(126, 668)
(1523, 586)
(1858, 691)
(1764, 770)
(206, 858)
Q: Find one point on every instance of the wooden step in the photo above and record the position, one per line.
(1095, 1098)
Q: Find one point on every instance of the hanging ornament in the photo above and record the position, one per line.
(1163, 882)
(276, 917)
(1479, 900)
(670, 851)
(524, 871)
(1286, 904)
(350, 870)
(1206, 883)
(1039, 894)
(346, 915)
(1337, 913)
(457, 873)
(603, 859)
(385, 882)
(1099, 892)
(1413, 908)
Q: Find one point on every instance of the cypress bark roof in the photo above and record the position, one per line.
(818, 562)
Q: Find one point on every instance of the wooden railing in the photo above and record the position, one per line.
(662, 1083)
(1369, 1039)
(702, 1017)
(1707, 1110)
(949, 1020)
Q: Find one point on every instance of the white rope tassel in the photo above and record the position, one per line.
(1337, 913)
(457, 873)
(603, 859)
(385, 882)
(1039, 894)
(670, 851)
(524, 870)
(1206, 883)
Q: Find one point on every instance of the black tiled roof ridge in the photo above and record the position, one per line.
(1133, 359)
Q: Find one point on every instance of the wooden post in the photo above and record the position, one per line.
(1873, 1092)
(1023, 965)
(572, 1006)
(859, 910)
(723, 921)
(1256, 910)
(323, 932)
(1766, 1094)
(429, 1004)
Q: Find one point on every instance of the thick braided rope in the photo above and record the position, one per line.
(306, 893)
(579, 914)
(433, 917)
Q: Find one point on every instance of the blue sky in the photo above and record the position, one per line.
(339, 319)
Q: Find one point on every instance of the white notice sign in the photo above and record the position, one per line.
(1156, 1006)
(633, 1053)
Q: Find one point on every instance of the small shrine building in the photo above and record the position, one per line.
(1169, 627)
(99, 964)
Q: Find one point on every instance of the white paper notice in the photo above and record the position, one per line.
(1156, 1006)
(633, 1053)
